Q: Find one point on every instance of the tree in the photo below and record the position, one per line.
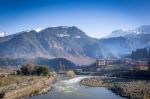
(28, 69)
(31, 69)
(43, 70)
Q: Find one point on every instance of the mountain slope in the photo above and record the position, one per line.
(116, 46)
(52, 63)
(55, 63)
(120, 46)
(63, 42)
(70, 43)
(121, 33)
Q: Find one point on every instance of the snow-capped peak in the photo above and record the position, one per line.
(123, 32)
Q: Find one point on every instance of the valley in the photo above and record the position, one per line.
(68, 63)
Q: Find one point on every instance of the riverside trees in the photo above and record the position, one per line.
(31, 69)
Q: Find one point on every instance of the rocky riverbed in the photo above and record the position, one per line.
(132, 89)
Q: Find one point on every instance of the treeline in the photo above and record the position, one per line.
(31, 69)
(141, 54)
(12, 62)
(52, 63)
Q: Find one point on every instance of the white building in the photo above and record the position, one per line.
(101, 62)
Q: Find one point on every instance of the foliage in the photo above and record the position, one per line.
(42, 70)
(28, 69)
(31, 69)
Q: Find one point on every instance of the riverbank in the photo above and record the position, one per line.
(13, 87)
(132, 89)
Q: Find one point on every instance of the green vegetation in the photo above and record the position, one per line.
(26, 82)
(31, 69)
(42, 70)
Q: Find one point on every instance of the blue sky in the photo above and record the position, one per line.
(96, 17)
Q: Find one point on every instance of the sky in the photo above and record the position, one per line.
(97, 18)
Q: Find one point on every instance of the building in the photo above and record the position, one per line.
(101, 62)
(106, 62)
(78, 70)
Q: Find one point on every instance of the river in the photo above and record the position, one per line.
(71, 89)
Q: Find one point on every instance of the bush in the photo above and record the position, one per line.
(71, 73)
(28, 69)
(42, 70)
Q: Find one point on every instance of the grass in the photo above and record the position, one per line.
(4, 81)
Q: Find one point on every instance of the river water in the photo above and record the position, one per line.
(71, 89)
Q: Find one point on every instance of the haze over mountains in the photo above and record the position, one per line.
(72, 43)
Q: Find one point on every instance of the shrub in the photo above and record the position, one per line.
(28, 69)
(71, 73)
(42, 70)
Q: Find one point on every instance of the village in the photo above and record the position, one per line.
(114, 63)
(98, 66)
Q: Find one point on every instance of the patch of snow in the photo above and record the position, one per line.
(77, 36)
(38, 29)
(65, 32)
(65, 27)
(63, 35)
(2, 34)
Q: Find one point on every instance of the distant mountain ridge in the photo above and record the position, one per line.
(144, 29)
(70, 43)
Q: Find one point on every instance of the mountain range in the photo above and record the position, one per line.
(144, 29)
(72, 44)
